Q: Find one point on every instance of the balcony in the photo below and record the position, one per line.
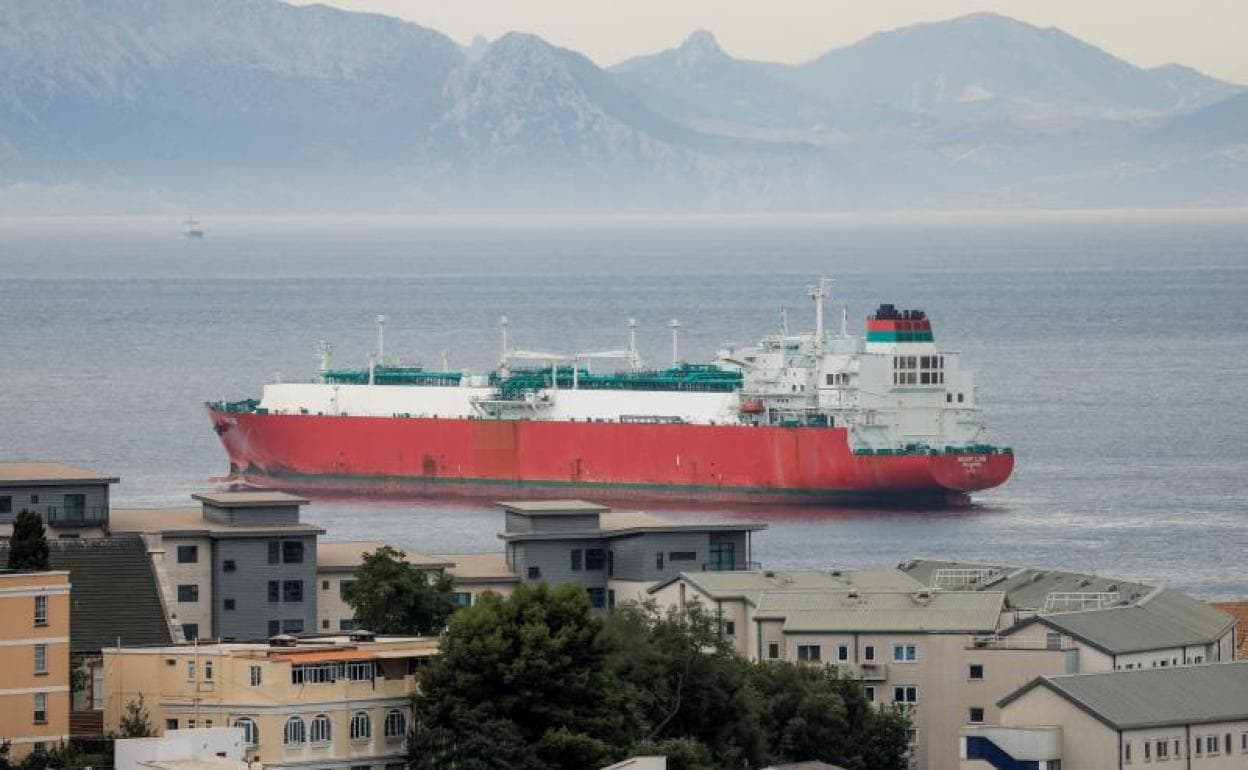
(87, 516)
(867, 671)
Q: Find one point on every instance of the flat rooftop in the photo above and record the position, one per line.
(884, 611)
(751, 584)
(552, 507)
(190, 520)
(350, 555)
(48, 472)
(256, 499)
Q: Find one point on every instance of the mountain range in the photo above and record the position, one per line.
(255, 105)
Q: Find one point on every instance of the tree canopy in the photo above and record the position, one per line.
(391, 596)
(538, 681)
(28, 546)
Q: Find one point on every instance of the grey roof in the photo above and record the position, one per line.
(1027, 587)
(114, 594)
(751, 584)
(41, 472)
(907, 612)
(249, 499)
(1155, 697)
(1166, 619)
(552, 507)
(625, 523)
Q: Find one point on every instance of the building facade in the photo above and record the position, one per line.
(1192, 716)
(334, 703)
(34, 661)
(73, 502)
(241, 566)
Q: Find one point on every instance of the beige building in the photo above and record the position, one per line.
(34, 660)
(1186, 717)
(949, 641)
(336, 702)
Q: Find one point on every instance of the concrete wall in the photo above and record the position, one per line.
(248, 587)
(553, 558)
(198, 574)
(226, 742)
(1087, 744)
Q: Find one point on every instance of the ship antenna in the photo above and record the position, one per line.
(381, 338)
(634, 359)
(503, 323)
(675, 326)
(818, 292)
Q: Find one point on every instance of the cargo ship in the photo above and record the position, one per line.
(810, 417)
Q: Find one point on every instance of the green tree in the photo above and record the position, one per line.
(28, 546)
(135, 722)
(519, 682)
(390, 596)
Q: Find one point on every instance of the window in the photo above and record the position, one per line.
(1148, 751)
(535, 573)
(275, 552)
(188, 593)
(912, 736)
(730, 628)
(595, 559)
(325, 625)
(1228, 743)
(1199, 746)
(292, 552)
(41, 708)
(361, 727)
(842, 652)
(228, 565)
(906, 694)
(41, 659)
(396, 724)
(683, 556)
(905, 653)
(773, 650)
(292, 591)
(190, 631)
(597, 597)
(658, 560)
(809, 652)
(6, 504)
(869, 692)
(295, 732)
(1126, 753)
(976, 671)
(190, 671)
(868, 652)
(1211, 744)
(960, 398)
(251, 736)
(228, 604)
(1243, 742)
(293, 626)
(208, 670)
(722, 556)
(344, 589)
(462, 598)
(1163, 749)
(1177, 750)
(360, 671)
(610, 598)
(577, 559)
(188, 554)
(976, 715)
(171, 724)
(275, 627)
(324, 585)
(34, 499)
(256, 676)
(275, 590)
(322, 730)
(41, 610)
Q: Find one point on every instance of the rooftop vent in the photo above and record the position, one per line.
(836, 573)
(769, 573)
(362, 635)
(852, 595)
(283, 640)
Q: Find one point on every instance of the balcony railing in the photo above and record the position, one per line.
(89, 516)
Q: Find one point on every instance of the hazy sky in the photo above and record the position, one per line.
(1206, 34)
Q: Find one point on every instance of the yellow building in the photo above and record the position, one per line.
(336, 702)
(34, 660)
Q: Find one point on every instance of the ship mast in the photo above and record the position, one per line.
(634, 359)
(675, 327)
(818, 292)
(381, 338)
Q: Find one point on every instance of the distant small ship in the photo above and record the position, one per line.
(192, 231)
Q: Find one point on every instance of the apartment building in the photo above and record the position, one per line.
(339, 703)
(73, 502)
(241, 565)
(950, 640)
(1192, 716)
(336, 568)
(34, 661)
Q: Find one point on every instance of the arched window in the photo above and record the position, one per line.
(295, 732)
(251, 736)
(322, 731)
(361, 727)
(396, 724)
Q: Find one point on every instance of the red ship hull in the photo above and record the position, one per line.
(518, 457)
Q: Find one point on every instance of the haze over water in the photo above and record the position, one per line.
(1110, 352)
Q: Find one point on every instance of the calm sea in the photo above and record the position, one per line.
(1111, 348)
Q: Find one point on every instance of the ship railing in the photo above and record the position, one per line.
(923, 449)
